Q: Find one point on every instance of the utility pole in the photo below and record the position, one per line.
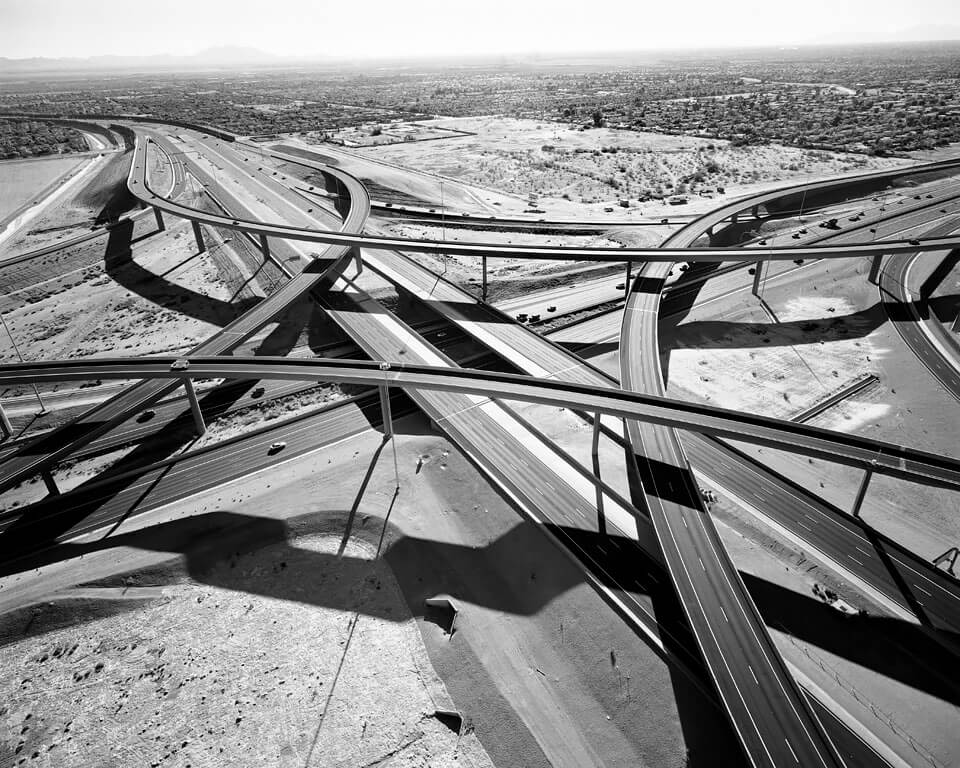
(43, 408)
(443, 226)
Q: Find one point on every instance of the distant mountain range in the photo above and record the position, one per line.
(212, 58)
(240, 57)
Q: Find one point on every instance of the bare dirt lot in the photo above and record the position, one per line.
(598, 167)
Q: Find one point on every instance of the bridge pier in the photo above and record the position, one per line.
(264, 247)
(5, 422)
(626, 281)
(595, 453)
(388, 433)
(735, 218)
(956, 321)
(48, 481)
(158, 214)
(862, 492)
(198, 234)
(194, 407)
(757, 276)
(876, 264)
(755, 211)
(386, 411)
(483, 285)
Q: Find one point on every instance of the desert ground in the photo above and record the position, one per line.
(558, 164)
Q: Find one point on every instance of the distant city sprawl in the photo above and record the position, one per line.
(868, 99)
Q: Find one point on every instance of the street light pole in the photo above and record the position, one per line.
(443, 225)
(43, 408)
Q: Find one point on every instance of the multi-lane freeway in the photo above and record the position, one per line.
(769, 713)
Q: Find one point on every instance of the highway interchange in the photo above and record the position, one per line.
(772, 716)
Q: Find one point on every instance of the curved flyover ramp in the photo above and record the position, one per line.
(35, 455)
(771, 716)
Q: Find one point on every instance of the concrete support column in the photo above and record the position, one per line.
(734, 218)
(626, 281)
(757, 276)
(158, 214)
(357, 257)
(755, 211)
(862, 492)
(5, 422)
(595, 452)
(194, 407)
(483, 288)
(49, 482)
(876, 264)
(386, 411)
(198, 234)
(956, 321)
(264, 247)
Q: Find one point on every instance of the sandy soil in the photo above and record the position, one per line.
(567, 169)
(110, 302)
(543, 671)
(120, 674)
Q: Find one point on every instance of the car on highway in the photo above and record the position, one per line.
(179, 365)
(276, 447)
(522, 317)
(146, 416)
(534, 318)
(258, 392)
(552, 308)
(621, 286)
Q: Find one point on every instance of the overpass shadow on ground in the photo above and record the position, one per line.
(121, 267)
(209, 545)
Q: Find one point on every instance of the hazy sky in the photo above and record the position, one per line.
(365, 28)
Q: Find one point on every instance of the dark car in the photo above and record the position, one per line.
(276, 447)
(146, 416)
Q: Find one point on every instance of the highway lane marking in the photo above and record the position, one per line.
(923, 590)
(858, 562)
(726, 619)
(787, 741)
(868, 554)
(749, 619)
(716, 644)
(753, 674)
